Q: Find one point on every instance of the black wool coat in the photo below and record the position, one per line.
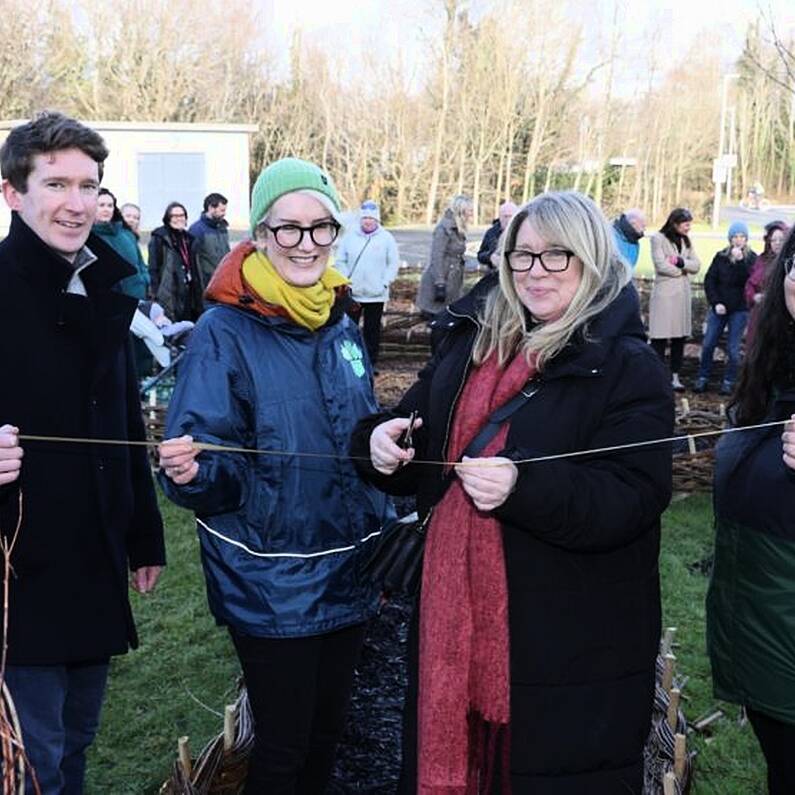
(88, 511)
(581, 541)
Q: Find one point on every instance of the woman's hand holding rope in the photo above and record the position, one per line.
(487, 481)
(178, 459)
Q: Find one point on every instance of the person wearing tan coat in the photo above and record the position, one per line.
(670, 318)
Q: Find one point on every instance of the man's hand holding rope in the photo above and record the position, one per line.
(10, 454)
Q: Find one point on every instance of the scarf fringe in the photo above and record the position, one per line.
(489, 756)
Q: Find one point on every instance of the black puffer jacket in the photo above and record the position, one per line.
(725, 280)
(581, 540)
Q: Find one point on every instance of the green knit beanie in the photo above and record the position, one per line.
(285, 176)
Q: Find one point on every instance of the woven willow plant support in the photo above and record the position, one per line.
(14, 760)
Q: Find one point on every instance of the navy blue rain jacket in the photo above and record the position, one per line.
(282, 536)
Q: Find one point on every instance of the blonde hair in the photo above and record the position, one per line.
(459, 206)
(572, 221)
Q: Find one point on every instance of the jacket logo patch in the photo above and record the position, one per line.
(352, 353)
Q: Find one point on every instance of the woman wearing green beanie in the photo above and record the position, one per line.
(275, 364)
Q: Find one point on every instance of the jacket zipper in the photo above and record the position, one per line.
(460, 386)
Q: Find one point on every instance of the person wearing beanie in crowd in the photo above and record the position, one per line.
(775, 233)
(670, 312)
(628, 229)
(368, 256)
(275, 363)
(724, 286)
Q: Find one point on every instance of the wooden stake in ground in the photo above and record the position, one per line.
(668, 672)
(229, 727)
(673, 708)
(680, 755)
(669, 784)
(668, 641)
(183, 751)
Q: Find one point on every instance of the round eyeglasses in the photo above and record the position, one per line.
(555, 260)
(291, 235)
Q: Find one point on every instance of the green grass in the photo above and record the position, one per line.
(153, 692)
(729, 762)
(184, 657)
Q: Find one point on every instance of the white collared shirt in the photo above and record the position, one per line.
(84, 258)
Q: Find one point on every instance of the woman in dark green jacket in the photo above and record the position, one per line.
(751, 597)
(113, 229)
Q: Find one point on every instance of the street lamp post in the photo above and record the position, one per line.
(719, 169)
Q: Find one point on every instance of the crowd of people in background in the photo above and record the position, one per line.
(516, 682)
(182, 259)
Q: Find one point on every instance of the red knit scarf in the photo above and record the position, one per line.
(464, 685)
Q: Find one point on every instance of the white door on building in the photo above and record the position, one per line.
(167, 177)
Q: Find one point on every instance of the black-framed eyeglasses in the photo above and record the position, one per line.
(554, 260)
(291, 235)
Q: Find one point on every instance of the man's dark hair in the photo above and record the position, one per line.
(48, 132)
(213, 200)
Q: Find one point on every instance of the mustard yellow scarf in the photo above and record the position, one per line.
(307, 306)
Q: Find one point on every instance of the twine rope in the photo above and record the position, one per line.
(222, 448)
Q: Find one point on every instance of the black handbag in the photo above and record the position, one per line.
(396, 559)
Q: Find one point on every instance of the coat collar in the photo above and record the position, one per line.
(103, 317)
(38, 264)
(584, 354)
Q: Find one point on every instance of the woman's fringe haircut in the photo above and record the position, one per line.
(573, 221)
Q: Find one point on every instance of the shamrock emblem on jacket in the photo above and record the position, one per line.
(352, 353)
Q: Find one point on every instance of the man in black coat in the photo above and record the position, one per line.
(88, 511)
(487, 255)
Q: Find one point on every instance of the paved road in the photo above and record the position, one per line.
(761, 217)
(414, 243)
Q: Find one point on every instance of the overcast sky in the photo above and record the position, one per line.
(349, 27)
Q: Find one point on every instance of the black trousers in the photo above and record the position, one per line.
(677, 351)
(778, 743)
(371, 327)
(299, 689)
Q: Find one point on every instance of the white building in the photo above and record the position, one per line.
(152, 164)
